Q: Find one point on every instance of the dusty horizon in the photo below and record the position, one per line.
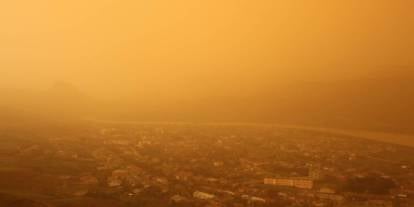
(320, 63)
(186, 48)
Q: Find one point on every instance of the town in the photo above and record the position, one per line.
(118, 164)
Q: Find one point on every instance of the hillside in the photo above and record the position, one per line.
(380, 103)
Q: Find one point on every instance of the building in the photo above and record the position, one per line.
(337, 199)
(299, 182)
(315, 172)
(203, 196)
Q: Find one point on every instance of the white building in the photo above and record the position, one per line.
(299, 182)
(203, 196)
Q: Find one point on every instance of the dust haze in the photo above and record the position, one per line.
(206, 103)
(296, 62)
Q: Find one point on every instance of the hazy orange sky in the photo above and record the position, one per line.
(118, 48)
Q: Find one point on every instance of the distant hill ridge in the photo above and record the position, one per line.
(382, 101)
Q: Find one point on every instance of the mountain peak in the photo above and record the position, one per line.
(65, 90)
